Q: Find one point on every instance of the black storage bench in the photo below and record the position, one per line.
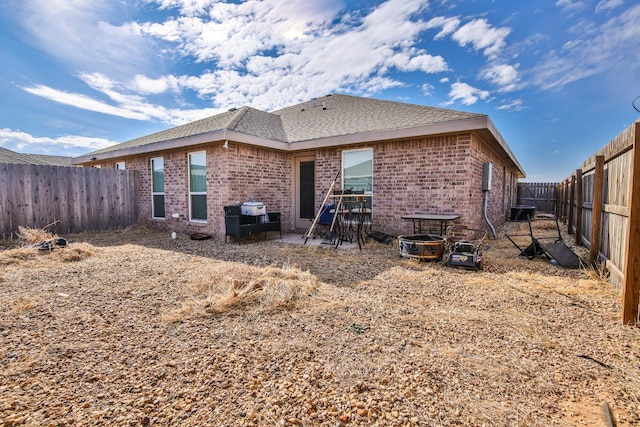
(239, 225)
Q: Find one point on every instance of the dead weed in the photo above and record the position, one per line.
(23, 304)
(72, 253)
(247, 289)
(31, 236)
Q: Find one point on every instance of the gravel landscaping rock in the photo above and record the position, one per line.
(132, 328)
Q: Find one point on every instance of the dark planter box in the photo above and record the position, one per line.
(522, 213)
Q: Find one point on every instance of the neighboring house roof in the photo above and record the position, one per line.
(8, 156)
(328, 121)
(52, 160)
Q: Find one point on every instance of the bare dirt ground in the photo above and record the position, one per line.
(132, 328)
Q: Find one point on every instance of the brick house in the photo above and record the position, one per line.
(410, 158)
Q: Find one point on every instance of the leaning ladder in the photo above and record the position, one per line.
(309, 231)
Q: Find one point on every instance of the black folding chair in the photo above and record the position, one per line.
(550, 246)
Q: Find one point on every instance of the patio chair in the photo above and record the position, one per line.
(550, 246)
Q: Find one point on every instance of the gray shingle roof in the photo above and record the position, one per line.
(52, 160)
(341, 115)
(202, 126)
(346, 115)
(8, 156)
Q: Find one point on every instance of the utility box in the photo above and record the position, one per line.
(487, 171)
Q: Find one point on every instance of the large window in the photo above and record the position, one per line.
(198, 186)
(357, 170)
(157, 187)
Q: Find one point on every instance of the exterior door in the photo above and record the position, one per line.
(305, 194)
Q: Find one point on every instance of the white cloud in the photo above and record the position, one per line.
(127, 106)
(605, 5)
(230, 34)
(78, 32)
(25, 143)
(505, 76)
(608, 48)
(267, 54)
(318, 59)
(146, 85)
(570, 7)
(467, 94)
(512, 105)
(448, 25)
(483, 36)
(444, 80)
(413, 61)
(83, 102)
(427, 89)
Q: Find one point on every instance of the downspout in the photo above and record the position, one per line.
(485, 196)
(487, 170)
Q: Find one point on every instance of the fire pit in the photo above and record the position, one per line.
(422, 246)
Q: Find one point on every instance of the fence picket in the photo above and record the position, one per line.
(542, 195)
(80, 199)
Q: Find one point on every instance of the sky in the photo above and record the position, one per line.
(558, 78)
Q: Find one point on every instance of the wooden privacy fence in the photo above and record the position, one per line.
(601, 206)
(72, 199)
(542, 195)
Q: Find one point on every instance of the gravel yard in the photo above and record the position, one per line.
(133, 328)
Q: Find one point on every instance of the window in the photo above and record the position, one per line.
(357, 170)
(157, 187)
(119, 165)
(198, 186)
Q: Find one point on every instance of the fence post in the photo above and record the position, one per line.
(519, 194)
(572, 199)
(566, 199)
(558, 193)
(631, 290)
(579, 201)
(596, 214)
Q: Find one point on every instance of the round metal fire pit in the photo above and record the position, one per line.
(422, 246)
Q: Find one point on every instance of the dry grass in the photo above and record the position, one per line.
(74, 252)
(71, 253)
(139, 327)
(23, 304)
(30, 236)
(17, 256)
(234, 289)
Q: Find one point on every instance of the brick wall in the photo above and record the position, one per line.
(441, 174)
(260, 174)
(234, 175)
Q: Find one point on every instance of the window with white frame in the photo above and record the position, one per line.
(198, 186)
(119, 165)
(157, 187)
(357, 170)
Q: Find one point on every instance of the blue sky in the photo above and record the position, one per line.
(557, 77)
